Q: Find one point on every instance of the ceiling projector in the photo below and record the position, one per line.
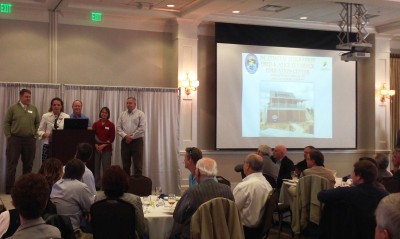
(355, 56)
(357, 51)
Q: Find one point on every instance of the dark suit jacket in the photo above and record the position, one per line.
(358, 217)
(285, 170)
(191, 201)
(302, 165)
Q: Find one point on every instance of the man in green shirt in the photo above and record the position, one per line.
(20, 127)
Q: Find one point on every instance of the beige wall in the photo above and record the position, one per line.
(24, 54)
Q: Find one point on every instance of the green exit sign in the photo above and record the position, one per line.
(5, 7)
(97, 16)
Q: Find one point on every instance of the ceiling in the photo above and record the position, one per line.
(321, 14)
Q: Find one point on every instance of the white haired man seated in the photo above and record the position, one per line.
(207, 189)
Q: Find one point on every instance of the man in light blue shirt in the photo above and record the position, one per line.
(131, 127)
(192, 155)
(77, 112)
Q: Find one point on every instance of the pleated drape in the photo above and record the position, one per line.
(161, 106)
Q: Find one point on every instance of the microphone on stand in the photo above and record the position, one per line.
(55, 122)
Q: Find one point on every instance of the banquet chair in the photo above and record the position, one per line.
(283, 210)
(217, 218)
(223, 180)
(63, 223)
(338, 221)
(113, 218)
(271, 180)
(140, 185)
(306, 208)
(266, 220)
(391, 184)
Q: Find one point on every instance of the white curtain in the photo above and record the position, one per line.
(41, 97)
(161, 107)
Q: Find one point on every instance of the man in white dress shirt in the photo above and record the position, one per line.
(252, 193)
(131, 127)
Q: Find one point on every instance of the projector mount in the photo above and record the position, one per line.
(357, 12)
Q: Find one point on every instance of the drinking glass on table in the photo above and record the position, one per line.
(171, 199)
(158, 191)
(146, 204)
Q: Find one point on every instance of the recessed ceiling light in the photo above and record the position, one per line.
(303, 18)
(170, 5)
(236, 11)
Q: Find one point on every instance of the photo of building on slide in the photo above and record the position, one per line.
(287, 110)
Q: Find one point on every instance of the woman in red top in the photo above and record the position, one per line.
(105, 135)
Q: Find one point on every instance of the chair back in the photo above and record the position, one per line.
(223, 180)
(268, 214)
(113, 218)
(140, 185)
(391, 184)
(63, 223)
(306, 206)
(266, 221)
(339, 220)
(271, 180)
(217, 218)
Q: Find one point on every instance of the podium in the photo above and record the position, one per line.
(63, 144)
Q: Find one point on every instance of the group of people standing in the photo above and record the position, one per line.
(22, 126)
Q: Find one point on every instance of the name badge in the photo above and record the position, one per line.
(107, 128)
(30, 111)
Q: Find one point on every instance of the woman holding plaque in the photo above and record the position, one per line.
(105, 134)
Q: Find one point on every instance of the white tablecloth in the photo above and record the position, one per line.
(288, 192)
(159, 221)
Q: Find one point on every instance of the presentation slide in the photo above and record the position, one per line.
(296, 97)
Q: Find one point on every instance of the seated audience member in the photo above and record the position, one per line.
(396, 163)
(382, 162)
(388, 217)
(362, 198)
(6, 228)
(302, 165)
(377, 183)
(192, 155)
(315, 164)
(72, 197)
(52, 171)
(29, 197)
(251, 194)
(284, 164)
(269, 168)
(208, 188)
(115, 184)
(84, 152)
(369, 159)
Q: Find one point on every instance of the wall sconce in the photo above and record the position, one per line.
(386, 93)
(189, 84)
